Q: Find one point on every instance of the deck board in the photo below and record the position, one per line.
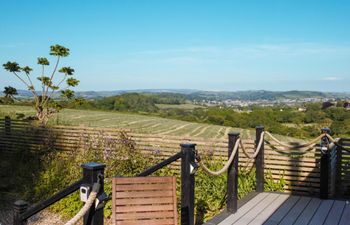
(263, 216)
(309, 211)
(335, 214)
(283, 209)
(244, 209)
(346, 215)
(280, 213)
(294, 213)
(322, 212)
(249, 216)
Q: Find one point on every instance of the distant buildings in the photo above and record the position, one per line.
(237, 103)
(346, 105)
(326, 105)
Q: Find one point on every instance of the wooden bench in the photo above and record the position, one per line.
(144, 200)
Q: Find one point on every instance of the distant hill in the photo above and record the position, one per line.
(264, 95)
(192, 94)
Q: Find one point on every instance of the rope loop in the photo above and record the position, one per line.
(92, 197)
(257, 150)
(226, 166)
(306, 146)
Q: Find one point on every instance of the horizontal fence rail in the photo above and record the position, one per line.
(301, 172)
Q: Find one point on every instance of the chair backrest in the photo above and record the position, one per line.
(144, 200)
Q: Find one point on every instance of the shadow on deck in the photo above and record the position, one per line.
(283, 209)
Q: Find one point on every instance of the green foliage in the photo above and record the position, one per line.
(43, 61)
(72, 82)
(67, 93)
(131, 102)
(12, 67)
(168, 98)
(59, 50)
(45, 81)
(27, 70)
(271, 184)
(10, 92)
(66, 70)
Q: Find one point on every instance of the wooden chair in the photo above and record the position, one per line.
(144, 200)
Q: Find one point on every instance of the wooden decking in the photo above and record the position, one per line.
(283, 209)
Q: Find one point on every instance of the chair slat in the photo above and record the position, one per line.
(145, 208)
(144, 200)
(143, 180)
(147, 222)
(137, 194)
(142, 187)
(145, 215)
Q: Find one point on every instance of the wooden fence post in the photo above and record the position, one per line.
(325, 164)
(19, 207)
(7, 125)
(232, 175)
(187, 184)
(259, 161)
(91, 173)
(338, 178)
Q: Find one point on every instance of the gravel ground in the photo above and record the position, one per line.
(42, 218)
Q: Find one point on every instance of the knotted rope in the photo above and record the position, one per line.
(87, 206)
(336, 142)
(226, 166)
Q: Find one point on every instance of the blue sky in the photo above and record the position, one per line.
(207, 45)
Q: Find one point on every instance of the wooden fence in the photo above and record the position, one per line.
(342, 182)
(301, 172)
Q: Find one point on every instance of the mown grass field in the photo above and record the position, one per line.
(138, 123)
(135, 122)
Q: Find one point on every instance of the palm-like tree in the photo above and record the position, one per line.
(10, 92)
(44, 102)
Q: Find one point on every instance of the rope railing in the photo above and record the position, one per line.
(226, 166)
(306, 146)
(91, 200)
(257, 150)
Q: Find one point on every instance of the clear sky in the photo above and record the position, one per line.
(207, 45)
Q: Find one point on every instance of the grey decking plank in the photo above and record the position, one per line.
(278, 215)
(253, 212)
(244, 209)
(335, 214)
(309, 211)
(268, 211)
(294, 212)
(321, 213)
(345, 219)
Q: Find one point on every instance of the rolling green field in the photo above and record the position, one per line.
(135, 122)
